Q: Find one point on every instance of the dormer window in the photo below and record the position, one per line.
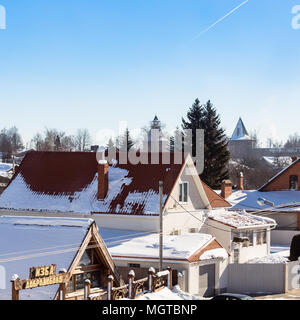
(183, 192)
(294, 182)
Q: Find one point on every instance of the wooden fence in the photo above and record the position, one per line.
(132, 290)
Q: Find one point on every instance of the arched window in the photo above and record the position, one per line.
(294, 182)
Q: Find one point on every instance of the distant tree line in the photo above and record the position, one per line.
(50, 140)
(54, 140)
(10, 142)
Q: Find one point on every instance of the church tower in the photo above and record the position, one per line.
(156, 142)
(240, 144)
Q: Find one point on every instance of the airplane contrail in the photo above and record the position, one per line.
(221, 19)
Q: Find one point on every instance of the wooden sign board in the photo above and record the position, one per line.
(42, 272)
(41, 277)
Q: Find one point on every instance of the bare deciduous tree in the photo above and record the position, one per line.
(82, 140)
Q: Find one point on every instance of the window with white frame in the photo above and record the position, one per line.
(244, 237)
(261, 237)
(183, 192)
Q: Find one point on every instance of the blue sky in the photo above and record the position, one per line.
(90, 64)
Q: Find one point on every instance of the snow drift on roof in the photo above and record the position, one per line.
(67, 182)
(239, 219)
(219, 253)
(129, 243)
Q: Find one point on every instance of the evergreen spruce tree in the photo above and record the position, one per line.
(216, 155)
(194, 121)
(176, 141)
(216, 152)
(126, 143)
(110, 144)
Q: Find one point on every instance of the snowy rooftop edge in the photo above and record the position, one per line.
(46, 221)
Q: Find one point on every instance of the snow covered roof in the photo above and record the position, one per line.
(240, 132)
(5, 166)
(68, 182)
(187, 247)
(5, 169)
(240, 219)
(247, 200)
(37, 241)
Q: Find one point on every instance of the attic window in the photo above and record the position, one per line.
(293, 182)
(183, 192)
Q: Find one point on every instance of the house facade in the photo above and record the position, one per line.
(198, 260)
(244, 235)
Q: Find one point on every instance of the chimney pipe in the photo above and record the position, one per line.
(241, 181)
(226, 188)
(102, 174)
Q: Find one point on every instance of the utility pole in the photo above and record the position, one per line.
(160, 225)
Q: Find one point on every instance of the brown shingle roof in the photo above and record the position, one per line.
(59, 181)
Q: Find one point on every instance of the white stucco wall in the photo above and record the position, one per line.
(220, 231)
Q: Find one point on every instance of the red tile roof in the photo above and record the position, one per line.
(58, 181)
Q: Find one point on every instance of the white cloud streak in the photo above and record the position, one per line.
(221, 19)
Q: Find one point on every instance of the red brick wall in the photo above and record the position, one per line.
(282, 182)
(102, 180)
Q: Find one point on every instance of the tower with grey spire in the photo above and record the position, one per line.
(240, 144)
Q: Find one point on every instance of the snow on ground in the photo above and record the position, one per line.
(279, 254)
(272, 258)
(239, 219)
(279, 248)
(124, 243)
(167, 294)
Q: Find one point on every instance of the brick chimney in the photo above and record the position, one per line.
(102, 179)
(226, 188)
(294, 159)
(240, 185)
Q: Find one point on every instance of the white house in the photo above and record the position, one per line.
(244, 235)
(198, 257)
